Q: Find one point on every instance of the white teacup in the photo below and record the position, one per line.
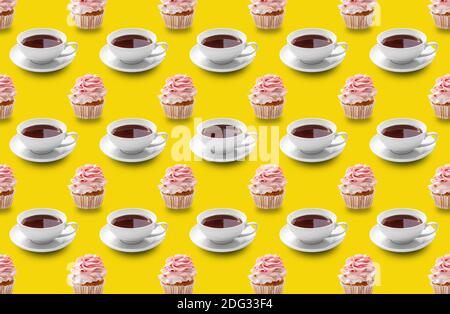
(135, 235)
(229, 144)
(225, 235)
(405, 235)
(46, 55)
(138, 144)
(315, 55)
(46, 235)
(406, 55)
(225, 55)
(406, 145)
(315, 235)
(135, 55)
(45, 145)
(318, 144)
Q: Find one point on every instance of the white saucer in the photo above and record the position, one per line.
(294, 63)
(199, 150)
(21, 241)
(381, 151)
(19, 59)
(113, 152)
(291, 241)
(112, 242)
(202, 62)
(293, 152)
(382, 242)
(111, 61)
(22, 152)
(417, 64)
(238, 244)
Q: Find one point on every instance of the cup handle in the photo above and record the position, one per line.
(254, 137)
(344, 225)
(343, 134)
(254, 229)
(75, 228)
(341, 44)
(74, 134)
(69, 53)
(435, 229)
(164, 225)
(433, 44)
(164, 135)
(435, 137)
(165, 48)
(255, 49)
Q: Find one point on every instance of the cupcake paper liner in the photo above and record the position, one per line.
(358, 201)
(441, 201)
(178, 21)
(88, 201)
(268, 201)
(6, 111)
(6, 20)
(260, 289)
(353, 289)
(441, 21)
(7, 289)
(268, 21)
(441, 289)
(88, 112)
(88, 21)
(177, 111)
(174, 289)
(441, 111)
(6, 200)
(358, 112)
(80, 289)
(268, 112)
(178, 201)
(358, 21)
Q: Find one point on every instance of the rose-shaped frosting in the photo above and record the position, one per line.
(267, 6)
(178, 179)
(358, 179)
(87, 269)
(178, 269)
(177, 6)
(358, 269)
(86, 6)
(440, 7)
(357, 89)
(7, 5)
(440, 183)
(87, 89)
(178, 88)
(88, 179)
(357, 6)
(268, 268)
(440, 273)
(269, 88)
(7, 180)
(440, 94)
(7, 269)
(7, 90)
(268, 179)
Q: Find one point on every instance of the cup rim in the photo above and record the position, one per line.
(21, 36)
(201, 126)
(311, 31)
(389, 122)
(422, 36)
(242, 37)
(151, 35)
(297, 213)
(296, 123)
(20, 127)
(147, 123)
(145, 212)
(418, 214)
(203, 215)
(59, 214)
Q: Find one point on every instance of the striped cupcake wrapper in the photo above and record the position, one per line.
(358, 21)
(6, 111)
(6, 200)
(268, 201)
(6, 21)
(440, 289)
(80, 289)
(178, 21)
(268, 112)
(441, 111)
(88, 21)
(88, 112)
(441, 201)
(353, 289)
(178, 201)
(358, 112)
(174, 289)
(441, 21)
(260, 289)
(88, 201)
(358, 201)
(178, 112)
(268, 21)
(7, 289)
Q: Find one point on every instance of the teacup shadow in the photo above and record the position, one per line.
(408, 254)
(137, 254)
(226, 255)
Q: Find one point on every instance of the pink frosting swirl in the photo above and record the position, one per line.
(440, 273)
(7, 269)
(7, 89)
(178, 179)
(87, 89)
(177, 6)
(178, 269)
(7, 180)
(269, 88)
(87, 269)
(440, 93)
(268, 268)
(358, 269)
(86, 6)
(440, 183)
(178, 88)
(357, 6)
(88, 179)
(358, 179)
(357, 89)
(267, 6)
(7, 5)
(440, 6)
(268, 179)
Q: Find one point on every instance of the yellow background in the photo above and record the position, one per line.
(223, 95)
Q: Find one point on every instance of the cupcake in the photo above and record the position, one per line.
(177, 14)
(88, 97)
(267, 14)
(440, 275)
(7, 94)
(6, 13)
(358, 14)
(88, 187)
(440, 10)
(87, 276)
(177, 187)
(440, 187)
(267, 187)
(440, 97)
(358, 187)
(267, 276)
(7, 186)
(267, 97)
(177, 276)
(7, 274)
(358, 275)
(358, 97)
(177, 97)
(87, 14)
